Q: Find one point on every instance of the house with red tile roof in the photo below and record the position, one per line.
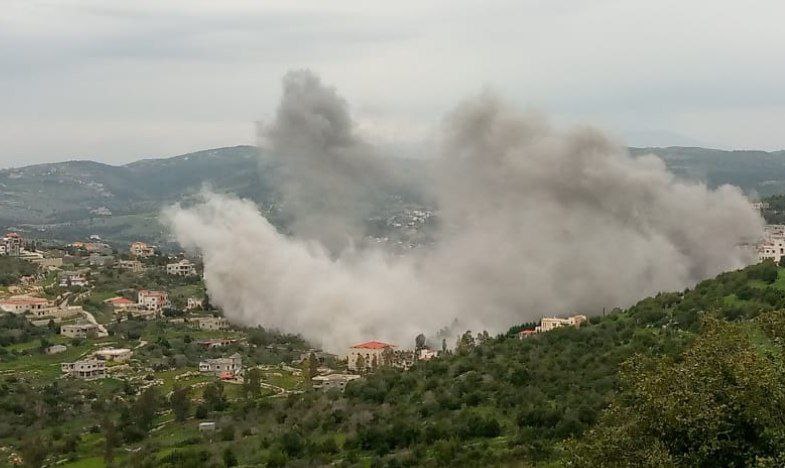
(367, 356)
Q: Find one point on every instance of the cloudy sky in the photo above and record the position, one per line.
(116, 81)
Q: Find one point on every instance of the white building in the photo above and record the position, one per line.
(333, 381)
(152, 300)
(772, 247)
(232, 364)
(87, 369)
(550, 323)
(182, 268)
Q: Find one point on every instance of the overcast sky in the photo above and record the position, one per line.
(116, 81)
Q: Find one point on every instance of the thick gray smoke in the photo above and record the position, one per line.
(533, 222)
(326, 176)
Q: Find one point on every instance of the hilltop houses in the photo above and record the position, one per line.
(73, 278)
(141, 249)
(120, 303)
(182, 268)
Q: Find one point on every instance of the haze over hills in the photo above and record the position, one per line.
(70, 200)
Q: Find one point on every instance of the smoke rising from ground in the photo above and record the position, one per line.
(533, 222)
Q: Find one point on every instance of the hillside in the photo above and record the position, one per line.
(691, 378)
(71, 200)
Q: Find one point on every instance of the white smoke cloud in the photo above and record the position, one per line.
(533, 222)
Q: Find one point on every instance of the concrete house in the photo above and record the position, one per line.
(182, 268)
(370, 354)
(79, 330)
(332, 381)
(152, 300)
(232, 364)
(141, 249)
(86, 369)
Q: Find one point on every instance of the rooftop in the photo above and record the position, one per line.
(373, 345)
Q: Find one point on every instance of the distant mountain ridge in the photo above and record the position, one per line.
(72, 199)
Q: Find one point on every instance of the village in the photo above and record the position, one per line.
(70, 296)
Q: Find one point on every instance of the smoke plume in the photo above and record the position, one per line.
(533, 222)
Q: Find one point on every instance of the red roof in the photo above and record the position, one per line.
(25, 300)
(12, 234)
(226, 375)
(373, 345)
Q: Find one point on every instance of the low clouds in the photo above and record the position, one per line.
(533, 221)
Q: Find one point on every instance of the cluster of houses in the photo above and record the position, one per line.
(11, 244)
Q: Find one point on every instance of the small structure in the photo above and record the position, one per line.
(182, 268)
(55, 349)
(210, 323)
(141, 249)
(152, 300)
(333, 381)
(86, 369)
(366, 356)
(114, 354)
(550, 323)
(232, 364)
(79, 330)
(207, 426)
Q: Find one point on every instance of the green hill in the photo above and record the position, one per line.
(70, 200)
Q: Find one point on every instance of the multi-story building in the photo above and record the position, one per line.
(369, 355)
(141, 249)
(12, 244)
(87, 369)
(550, 323)
(73, 278)
(152, 300)
(182, 268)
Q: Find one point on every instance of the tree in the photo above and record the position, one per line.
(180, 403)
(310, 366)
(33, 450)
(419, 343)
(229, 457)
(722, 404)
(359, 364)
(214, 396)
(252, 385)
(111, 439)
(145, 408)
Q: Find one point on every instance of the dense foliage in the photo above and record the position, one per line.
(11, 268)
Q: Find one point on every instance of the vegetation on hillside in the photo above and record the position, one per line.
(692, 378)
